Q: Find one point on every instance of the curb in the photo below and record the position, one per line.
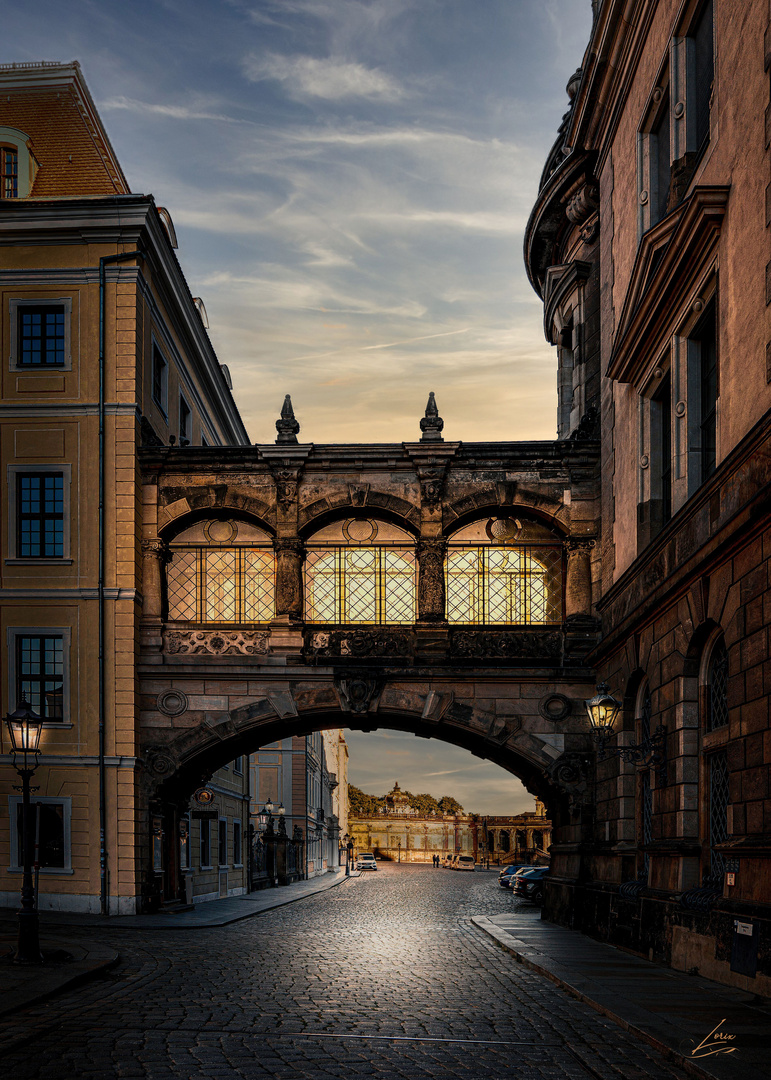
(503, 940)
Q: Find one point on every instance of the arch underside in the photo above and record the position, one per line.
(180, 765)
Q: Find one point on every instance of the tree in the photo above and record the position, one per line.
(424, 804)
(360, 804)
(448, 805)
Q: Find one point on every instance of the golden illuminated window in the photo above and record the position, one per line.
(221, 571)
(360, 571)
(504, 571)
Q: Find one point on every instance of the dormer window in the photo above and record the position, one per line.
(9, 172)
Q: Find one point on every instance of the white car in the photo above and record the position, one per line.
(366, 861)
(465, 862)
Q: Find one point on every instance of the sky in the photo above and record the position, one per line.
(349, 182)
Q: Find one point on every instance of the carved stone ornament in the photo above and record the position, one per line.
(555, 707)
(584, 202)
(153, 549)
(216, 642)
(287, 426)
(159, 763)
(570, 772)
(588, 426)
(505, 645)
(286, 493)
(358, 691)
(172, 702)
(365, 643)
(431, 591)
(431, 425)
(579, 546)
(288, 588)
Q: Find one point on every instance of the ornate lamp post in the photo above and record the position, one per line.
(348, 844)
(24, 728)
(603, 710)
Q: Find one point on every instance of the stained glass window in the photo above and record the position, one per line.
(360, 585)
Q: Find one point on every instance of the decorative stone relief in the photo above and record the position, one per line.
(216, 642)
(555, 707)
(431, 591)
(289, 586)
(505, 644)
(159, 763)
(371, 642)
(358, 692)
(570, 771)
(172, 702)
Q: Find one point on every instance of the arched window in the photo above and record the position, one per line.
(18, 164)
(715, 753)
(360, 571)
(504, 843)
(221, 571)
(504, 570)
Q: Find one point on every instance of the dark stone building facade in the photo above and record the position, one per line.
(647, 246)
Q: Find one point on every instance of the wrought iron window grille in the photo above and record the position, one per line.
(221, 584)
(514, 585)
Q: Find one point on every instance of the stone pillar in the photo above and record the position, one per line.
(154, 554)
(431, 592)
(289, 578)
(578, 589)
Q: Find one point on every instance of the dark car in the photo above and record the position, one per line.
(530, 884)
(508, 872)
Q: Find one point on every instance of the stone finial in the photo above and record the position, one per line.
(287, 427)
(431, 425)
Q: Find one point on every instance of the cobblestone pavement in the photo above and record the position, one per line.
(382, 977)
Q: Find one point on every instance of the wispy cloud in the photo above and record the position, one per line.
(174, 112)
(330, 78)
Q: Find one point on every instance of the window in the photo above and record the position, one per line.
(40, 673)
(184, 423)
(40, 515)
(661, 423)
(702, 348)
(222, 845)
(238, 766)
(184, 843)
(206, 844)
(714, 775)
(221, 571)
(160, 377)
(660, 165)
(237, 852)
(717, 687)
(50, 826)
(41, 336)
(505, 580)
(717, 766)
(9, 172)
(645, 804)
(703, 50)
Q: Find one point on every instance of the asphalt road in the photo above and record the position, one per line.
(382, 977)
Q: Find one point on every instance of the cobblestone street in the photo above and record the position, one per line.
(384, 976)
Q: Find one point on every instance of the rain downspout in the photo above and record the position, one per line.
(103, 899)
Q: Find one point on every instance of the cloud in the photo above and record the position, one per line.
(332, 79)
(174, 112)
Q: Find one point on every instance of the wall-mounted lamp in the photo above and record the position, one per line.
(651, 753)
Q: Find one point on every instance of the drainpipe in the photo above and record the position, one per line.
(103, 899)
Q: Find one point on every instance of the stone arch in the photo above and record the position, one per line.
(542, 507)
(179, 507)
(359, 501)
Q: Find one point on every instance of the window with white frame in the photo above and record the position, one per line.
(40, 334)
(205, 844)
(160, 378)
(50, 837)
(39, 512)
(222, 842)
(38, 670)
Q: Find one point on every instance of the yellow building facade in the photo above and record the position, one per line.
(104, 348)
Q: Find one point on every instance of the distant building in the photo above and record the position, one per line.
(399, 833)
(307, 778)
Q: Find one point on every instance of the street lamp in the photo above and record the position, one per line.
(603, 710)
(348, 844)
(24, 728)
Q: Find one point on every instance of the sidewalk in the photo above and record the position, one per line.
(69, 961)
(670, 1010)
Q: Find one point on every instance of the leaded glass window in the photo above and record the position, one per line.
(361, 571)
(208, 580)
(717, 765)
(717, 687)
(504, 580)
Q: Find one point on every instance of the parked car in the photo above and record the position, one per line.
(447, 863)
(508, 872)
(366, 861)
(466, 862)
(530, 885)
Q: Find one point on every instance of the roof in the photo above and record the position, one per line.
(50, 103)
